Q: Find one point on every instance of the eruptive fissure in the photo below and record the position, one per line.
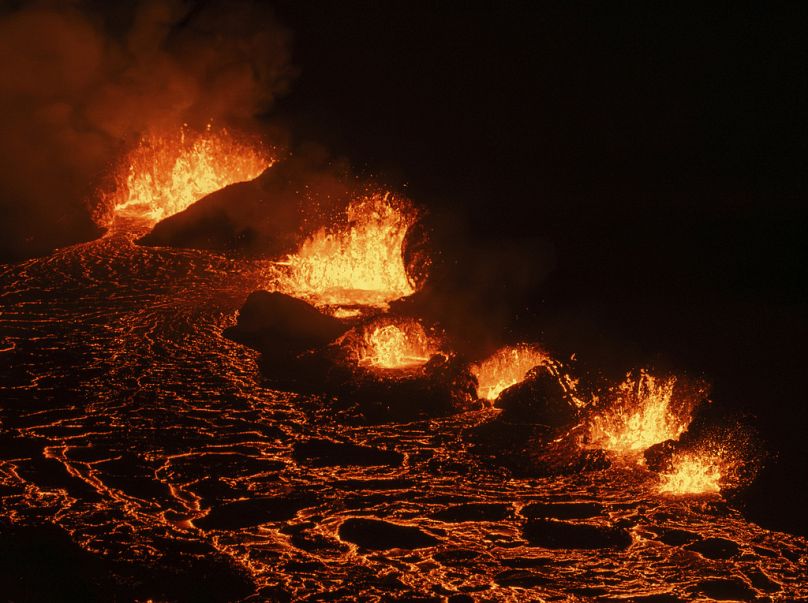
(394, 344)
(506, 367)
(640, 412)
(165, 173)
(357, 265)
(693, 473)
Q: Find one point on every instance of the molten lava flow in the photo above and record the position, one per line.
(693, 473)
(358, 266)
(642, 414)
(402, 344)
(506, 367)
(163, 175)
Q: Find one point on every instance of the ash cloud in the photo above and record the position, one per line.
(79, 81)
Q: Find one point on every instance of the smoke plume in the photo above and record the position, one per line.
(79, 81)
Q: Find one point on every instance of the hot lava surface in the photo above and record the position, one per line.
(141, 457)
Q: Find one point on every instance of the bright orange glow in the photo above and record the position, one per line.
(163, 175)
(401, 344)
(641, 415)
(506, 367)
(357, 266)
(693, 473)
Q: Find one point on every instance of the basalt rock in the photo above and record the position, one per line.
(474, 512)
(323, 453)
(533, 450)
(254, 511)
(562, 510)
(278, 325)
(539, 399)
(382, 535)
(300, 352)
(526, 436)
(441, 387)
(555, 534)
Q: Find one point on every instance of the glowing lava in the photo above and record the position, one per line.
(506, 367)
(163, 175)
(360, 265)
(401, 344)
(642, 414)
(693, 473)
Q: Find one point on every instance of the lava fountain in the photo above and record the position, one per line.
(164, 174)
(644, 410)
(506, 367)
(393, 344)
(357, 266)
(693, 473)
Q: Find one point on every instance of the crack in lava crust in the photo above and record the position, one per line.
(129, 422)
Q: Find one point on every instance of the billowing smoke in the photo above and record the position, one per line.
(79, 81)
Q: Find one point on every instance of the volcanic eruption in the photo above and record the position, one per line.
(164, 174)
(356, 264)
(296, 385)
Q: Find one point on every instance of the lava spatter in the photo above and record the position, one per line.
(506, 367)
(641, 411)
(165, 173)
(355, 265)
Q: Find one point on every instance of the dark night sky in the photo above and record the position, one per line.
(672, 139)
(659, 152)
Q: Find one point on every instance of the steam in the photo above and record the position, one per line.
(79, 81)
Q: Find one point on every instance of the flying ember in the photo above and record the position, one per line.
(165, 174)
(506, 367)
(642, 413)
(360, 265)
(402, 344)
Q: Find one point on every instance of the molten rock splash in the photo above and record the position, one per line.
(163, 175)
(400, 344)
(360, 265)
(693, 473)
(506, 367)
(644, 411)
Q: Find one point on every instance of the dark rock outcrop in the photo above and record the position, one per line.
(288, 332)
(253, 512)
(474, 512)
(300, 352)
(526, 436)
(521, 579)
(323, 453)
(554, 534)
(380, 535)
(726, 589)
(715, 548)
(441, 387)
(276, 324)
(677, 537)
(562, 510)
(533, 450)
(539, 399)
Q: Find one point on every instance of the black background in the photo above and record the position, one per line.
(660, 153)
